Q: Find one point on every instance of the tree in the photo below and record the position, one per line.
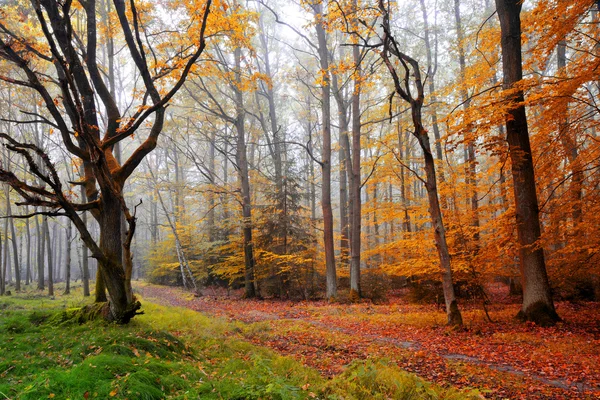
(537, 298)
(403, 87)
(79, 80)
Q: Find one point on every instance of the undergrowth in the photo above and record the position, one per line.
(170, 353)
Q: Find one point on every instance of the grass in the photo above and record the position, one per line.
(170, 353)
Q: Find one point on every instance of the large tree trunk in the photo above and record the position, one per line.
(331, 274)
(122, 306)
(537, 298)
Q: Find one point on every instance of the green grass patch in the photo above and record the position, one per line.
(167, 353)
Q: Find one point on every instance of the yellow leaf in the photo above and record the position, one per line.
(113, 393)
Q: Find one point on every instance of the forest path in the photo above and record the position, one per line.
(502, 360)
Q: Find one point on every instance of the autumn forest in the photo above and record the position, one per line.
(317, 199)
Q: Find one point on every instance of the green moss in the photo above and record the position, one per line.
(47, 352)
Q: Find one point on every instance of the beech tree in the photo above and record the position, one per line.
(76, 98)
(537, 297)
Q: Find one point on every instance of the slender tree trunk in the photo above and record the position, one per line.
(6, 257)
(471, 173)
(57, 251)
(13, 235)
(331, 274)
(84, 253)
(431, 71)
(569, 143)
(537, 298)
(345, 167)
(211, 196)
(41, 241)
(28, 277)
(46, 232)
(403, 186)
(355, 181)
(403, 88)
(68, 258)
(242, 164)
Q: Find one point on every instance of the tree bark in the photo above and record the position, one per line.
(242, 167)
(46, 229)
(471, 161)
(41, 240)
(331, 274)
(537, 298)
(344, 143)
(13, 236)
(355, 181)
(569, 144)
(84, 253)
(69, 233)
(28, 276)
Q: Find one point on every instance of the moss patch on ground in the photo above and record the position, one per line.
(170, 353)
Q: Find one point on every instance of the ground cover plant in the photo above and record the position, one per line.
(170, 352)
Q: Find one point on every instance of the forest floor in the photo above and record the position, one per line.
(504, 359)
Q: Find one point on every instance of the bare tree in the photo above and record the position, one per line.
(407, 78)
(75, 115)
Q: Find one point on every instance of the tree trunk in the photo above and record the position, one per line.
(471, 173)
(331, 274)
(242, 164)
(210, 218)
(6, 258)
(537, 298)
(68, 257)
(41, 240)
(122, 306)
(46, 229)
(355, 180)
(84, 253)
(569, 143)
(28, 277)
(13, 235)
(344, 143)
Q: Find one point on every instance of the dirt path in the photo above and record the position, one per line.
(328, 337)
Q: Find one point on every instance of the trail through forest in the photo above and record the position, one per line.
(505, 359)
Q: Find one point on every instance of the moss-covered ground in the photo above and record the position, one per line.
(168, 352)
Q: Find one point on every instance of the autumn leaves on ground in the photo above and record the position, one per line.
(501, 359)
